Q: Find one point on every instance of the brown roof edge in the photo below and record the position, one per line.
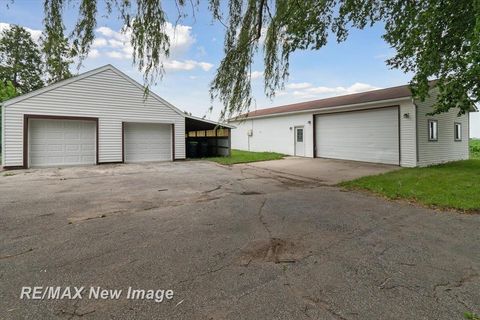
(350, 99)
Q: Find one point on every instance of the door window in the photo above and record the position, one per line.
(299, 135)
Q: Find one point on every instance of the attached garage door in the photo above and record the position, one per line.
(147, 142)
(61, 142)
(370, 135)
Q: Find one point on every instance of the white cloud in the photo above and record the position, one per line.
(110, 33)
(187, 65)
(36, 34)
(93, 54)
(115, 55)
(299, 85)
(305, 91)
(180, 36)
(116, 45)
(281, 93)
(256, 75)
(99, 42)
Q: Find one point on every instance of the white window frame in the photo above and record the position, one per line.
(432, 135)
(459, 131)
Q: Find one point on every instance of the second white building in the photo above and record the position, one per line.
(382, 126)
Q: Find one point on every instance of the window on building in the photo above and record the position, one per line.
(458, 131)
(299, 135)
(432, 130)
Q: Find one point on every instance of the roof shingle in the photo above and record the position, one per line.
(356, 98)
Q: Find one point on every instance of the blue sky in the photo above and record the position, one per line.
(355, 65)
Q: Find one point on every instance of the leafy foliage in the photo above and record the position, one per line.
(57, 51)
(20, 60)
(432, 39)
(7, 91)
(475, 148)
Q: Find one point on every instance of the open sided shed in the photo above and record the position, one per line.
(205, 138)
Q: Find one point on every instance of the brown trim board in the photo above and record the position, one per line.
(399, 137)
(27, 117)
(173, 142)
(123, 141)
(13, 167)
(314, 127)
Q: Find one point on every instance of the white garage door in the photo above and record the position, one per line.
(370, 135)
(61, 142)
(147, 142)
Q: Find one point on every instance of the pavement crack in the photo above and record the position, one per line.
(312, 301)
(75, 312)
(212, 190)
(208, 272)
(262, 219)
(449, 285)
(8, 256)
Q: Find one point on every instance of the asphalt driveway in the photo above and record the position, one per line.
(232, 243)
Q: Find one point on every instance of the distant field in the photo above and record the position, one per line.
(475, 148)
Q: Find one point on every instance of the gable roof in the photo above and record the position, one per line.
(386, 94)
(83, 76)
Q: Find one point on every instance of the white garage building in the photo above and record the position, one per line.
(382, 126)
(101, 116)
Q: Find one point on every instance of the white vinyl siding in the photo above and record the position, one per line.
(408, 134)
(367, 135)
(147, 142)
(445, 148)
(61, 142)
(275, 134)
(106, 95)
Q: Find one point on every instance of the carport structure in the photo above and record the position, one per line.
(206, 138)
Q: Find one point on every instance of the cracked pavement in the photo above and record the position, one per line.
(232, 242)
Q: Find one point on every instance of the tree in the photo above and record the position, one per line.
(7, 91)
(55, 46)
(432, 38)
(20, 60)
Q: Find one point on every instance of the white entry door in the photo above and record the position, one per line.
(299, 141)
(368, 135)
(61, 142)
(147, 142)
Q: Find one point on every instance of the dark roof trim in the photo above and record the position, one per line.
(393, 93)
(220, 124)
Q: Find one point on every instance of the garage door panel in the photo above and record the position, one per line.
(148, 142)
(61, 142)
(370, 136)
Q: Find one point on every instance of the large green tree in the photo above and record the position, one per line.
(20, 60)
(7, 91)
(55, 46)
(432, 38)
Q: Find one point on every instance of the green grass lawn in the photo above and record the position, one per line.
(239, 156)
(452, 185)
